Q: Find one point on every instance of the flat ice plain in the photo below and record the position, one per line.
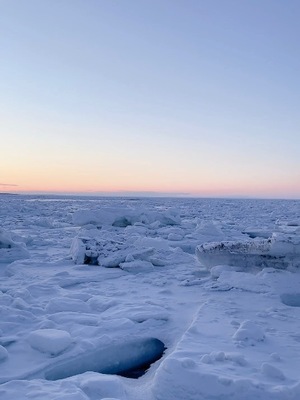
(92, 288)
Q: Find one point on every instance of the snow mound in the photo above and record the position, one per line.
(11, 250)
(61, 304)
(52, 341)
(249, 332)
(280, 251)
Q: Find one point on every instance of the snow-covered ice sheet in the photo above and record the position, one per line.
(91, 288)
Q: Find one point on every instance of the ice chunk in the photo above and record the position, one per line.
(277, 252)
(102, 249)
(209, 229)
(137, 266)
(52, 341)
(10, 250)
(109, 251)
(78, 250)
(97, 251)
(286, 245)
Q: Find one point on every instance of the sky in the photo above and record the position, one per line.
(150, 96)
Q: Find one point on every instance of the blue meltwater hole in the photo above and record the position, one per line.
(130, 359)
(291, 299)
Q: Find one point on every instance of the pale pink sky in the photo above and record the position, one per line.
(151, 96)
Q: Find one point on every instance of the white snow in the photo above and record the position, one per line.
(92, 288)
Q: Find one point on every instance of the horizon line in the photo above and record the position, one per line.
(127, 193)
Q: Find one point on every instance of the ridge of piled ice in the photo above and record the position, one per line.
(112, 249)
(122, 217)
(279, 251)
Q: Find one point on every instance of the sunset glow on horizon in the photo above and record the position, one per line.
(197, 98)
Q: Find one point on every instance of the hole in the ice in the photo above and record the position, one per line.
(139, 371)
(91, 260)
(130, 359)
(291, 299)
(292, 224)
(121, 222)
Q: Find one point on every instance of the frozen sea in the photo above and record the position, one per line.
(149, 298)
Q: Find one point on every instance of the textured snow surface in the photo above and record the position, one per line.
(92, 287)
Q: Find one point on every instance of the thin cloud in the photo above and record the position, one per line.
(8, 184)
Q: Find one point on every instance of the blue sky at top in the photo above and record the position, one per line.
(193, 96)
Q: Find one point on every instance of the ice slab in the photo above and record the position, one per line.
(11, 250)
(277, 252)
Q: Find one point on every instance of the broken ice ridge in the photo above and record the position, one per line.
(279, 251)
